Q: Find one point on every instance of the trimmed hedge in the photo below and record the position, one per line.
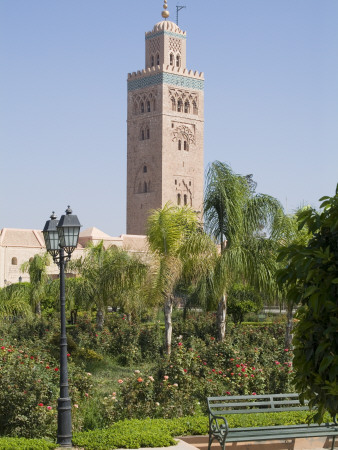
(160, 432)
(156, 432)
(9, 443)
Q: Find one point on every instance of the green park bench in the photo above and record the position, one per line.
(219, 407)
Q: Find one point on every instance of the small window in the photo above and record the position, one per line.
(178, 199)
(186, 107)
(142, 135)
(189, 183)
(185, 200)
(179, 144)
(148, 106)
(144, 169)
(171, 59)
(179, 106)
(194, 107)
(178, 61)
(145, 187)
(142, 107)
(185, 145)
(148, 133)
(152, 61)
(14, 261)
(158, 59)
(175, 181)
(172, 125)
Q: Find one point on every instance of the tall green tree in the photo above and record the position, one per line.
(311, 280)
(245, 225)
(181, 252)
(37, 270)
(15, 301)
(109, 277)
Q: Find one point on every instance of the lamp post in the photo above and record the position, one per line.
(61, 238)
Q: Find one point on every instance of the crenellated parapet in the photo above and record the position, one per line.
(175, 76)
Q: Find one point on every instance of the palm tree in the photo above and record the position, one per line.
(37, 270)
(108, 278)
(181, 252)
(244, 224)
(14, 300)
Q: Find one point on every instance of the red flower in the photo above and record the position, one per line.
(32, 357)
(56, 369)
(185, 370)
(68, 354)
(232, 374)
(2, 348)
(140, 380)
(254, 393)
(243, 370)
(47, 367)
(237, 365)
(213, 370)
(180, 343)
(40, 404)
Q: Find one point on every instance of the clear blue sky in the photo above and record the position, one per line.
(271, 99)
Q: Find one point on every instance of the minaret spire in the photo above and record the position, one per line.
(165, 13)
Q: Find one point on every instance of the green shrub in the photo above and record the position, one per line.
(7, 443)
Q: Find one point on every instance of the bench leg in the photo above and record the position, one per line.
(333, 442)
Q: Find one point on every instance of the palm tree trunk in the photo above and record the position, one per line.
(99, 319)
(168, 310)
(221, 318)
(289, 326)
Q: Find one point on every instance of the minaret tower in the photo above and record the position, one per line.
(165, 128)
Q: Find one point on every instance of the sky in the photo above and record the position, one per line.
(271, 99)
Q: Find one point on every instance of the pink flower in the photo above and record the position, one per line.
(286, 349)
(151, 378)
(254, 393)
(68, 354)
(228, 393)
(49, 408)
(86, 394)
(120, 381)
(76, 405)
(165, 377)
(180, 343)
(277, 362)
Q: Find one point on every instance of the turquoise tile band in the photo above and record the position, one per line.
(166, 78)
(169, 33)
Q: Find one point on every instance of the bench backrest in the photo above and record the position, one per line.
(250, 404)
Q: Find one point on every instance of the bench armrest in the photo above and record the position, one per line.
(218, 425)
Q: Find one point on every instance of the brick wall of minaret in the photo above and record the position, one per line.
(165, 129)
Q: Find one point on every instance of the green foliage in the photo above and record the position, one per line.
(7, 443)
(243, 299)
(311, 280)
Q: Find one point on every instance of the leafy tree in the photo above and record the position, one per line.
(244, 224)
(37, 270)
(109, 277)
(181, 252)
(311, 280)
(243, 299)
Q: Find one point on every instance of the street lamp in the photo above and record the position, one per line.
(61, 238)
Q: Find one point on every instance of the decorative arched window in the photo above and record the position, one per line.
(186, 107)
(14, 261)
(148, 133)
(185, 199)
(173, 104)
(144, 169)
(185, 145)
(152, 61)
(194, 107)
(171, 59)
(145, 187)
(179, 144)
(158, 59)
(148, 106)
(142, 107)
(178, 199)
(178, 61)
(179, 106)
(142, 135)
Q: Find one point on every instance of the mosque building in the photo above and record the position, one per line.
(165, 126)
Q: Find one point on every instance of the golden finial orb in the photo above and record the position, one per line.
(165, 13)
